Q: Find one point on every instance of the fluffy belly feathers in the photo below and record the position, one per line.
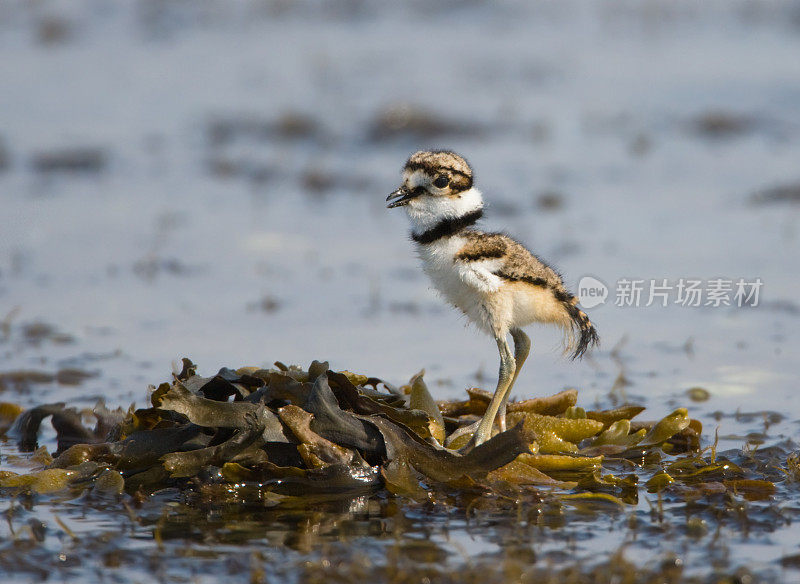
(493, 304)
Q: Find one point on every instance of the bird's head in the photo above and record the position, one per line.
(437, 184)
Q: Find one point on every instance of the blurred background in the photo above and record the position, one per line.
(207, 179)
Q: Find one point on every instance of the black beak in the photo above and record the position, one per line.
(401, 196)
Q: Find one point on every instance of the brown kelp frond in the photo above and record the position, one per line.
(291, 433)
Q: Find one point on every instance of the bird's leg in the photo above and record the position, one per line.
(507, 367)
(522, 347)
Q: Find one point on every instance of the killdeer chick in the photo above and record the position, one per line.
(494, 280)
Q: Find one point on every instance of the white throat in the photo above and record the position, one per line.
(427, 211)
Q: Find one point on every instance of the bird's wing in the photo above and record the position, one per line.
(481, 274)
(479, 260)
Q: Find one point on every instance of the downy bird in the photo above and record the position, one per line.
(494, 280)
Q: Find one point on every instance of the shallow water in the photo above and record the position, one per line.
(209, 180)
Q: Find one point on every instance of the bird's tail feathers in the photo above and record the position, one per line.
(580, 332)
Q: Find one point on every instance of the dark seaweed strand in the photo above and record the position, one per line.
(587, 334)
(447, 227)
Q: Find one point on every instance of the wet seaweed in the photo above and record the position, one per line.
(283, 434)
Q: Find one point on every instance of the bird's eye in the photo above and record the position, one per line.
(441, 182)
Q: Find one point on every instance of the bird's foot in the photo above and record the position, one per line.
(453, 439)
(476, 436)
(481, 435)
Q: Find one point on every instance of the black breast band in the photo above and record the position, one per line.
(447, 227)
